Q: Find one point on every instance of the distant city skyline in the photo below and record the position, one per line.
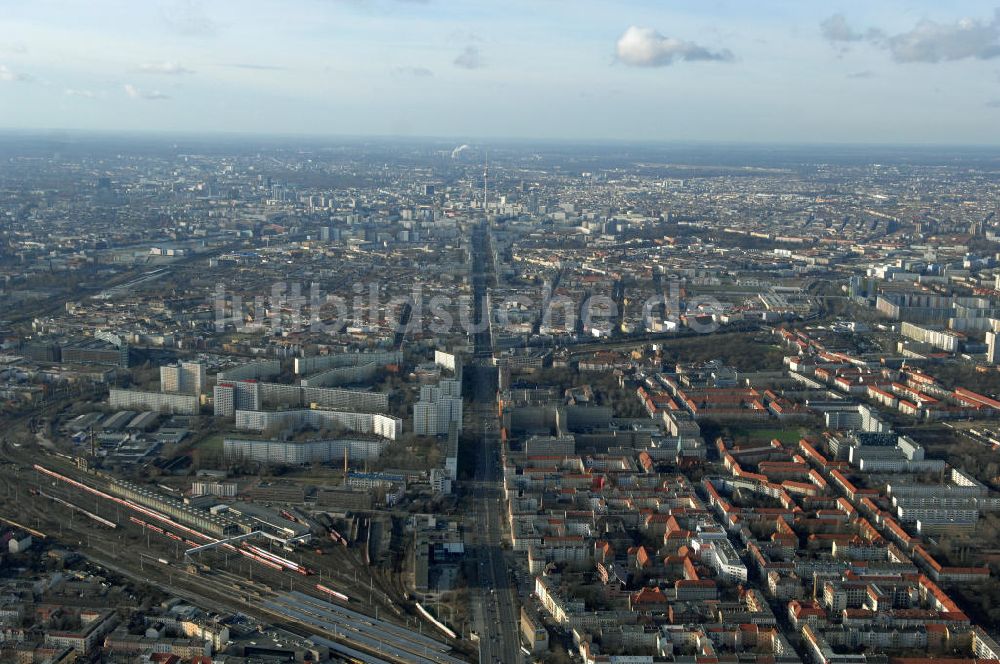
(778, 71)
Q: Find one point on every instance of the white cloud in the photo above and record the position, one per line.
(928, 41)
(135, 93)
(645, 47)
(86, 94)
(170, 68)
(469, 58)
(937, 42)
(9, 76)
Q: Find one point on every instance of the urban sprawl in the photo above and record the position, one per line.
(378, 401)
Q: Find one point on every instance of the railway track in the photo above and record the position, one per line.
(67, 514)
(163, 564)
(133, 546)
(21, 495)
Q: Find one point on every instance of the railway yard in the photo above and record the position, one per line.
(328, 592)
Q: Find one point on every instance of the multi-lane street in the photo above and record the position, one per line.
(496, 613)
(495, 608)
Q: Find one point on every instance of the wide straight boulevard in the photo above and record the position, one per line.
(494, 598)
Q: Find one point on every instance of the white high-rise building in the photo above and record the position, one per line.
(183, 378)
(224, 400)
(236, 395)
(992, 348)
(170, 378)
(439, 406)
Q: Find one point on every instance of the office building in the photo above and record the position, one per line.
(95, 351)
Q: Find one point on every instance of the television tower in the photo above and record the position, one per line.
(486, 174)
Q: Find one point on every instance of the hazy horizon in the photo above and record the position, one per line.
(899, 73)
(222, 135)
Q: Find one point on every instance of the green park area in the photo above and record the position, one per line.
(788, 436)
(210, 444)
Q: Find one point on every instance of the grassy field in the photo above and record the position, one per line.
(212, 443)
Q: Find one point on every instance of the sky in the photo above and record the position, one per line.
(785, 71)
